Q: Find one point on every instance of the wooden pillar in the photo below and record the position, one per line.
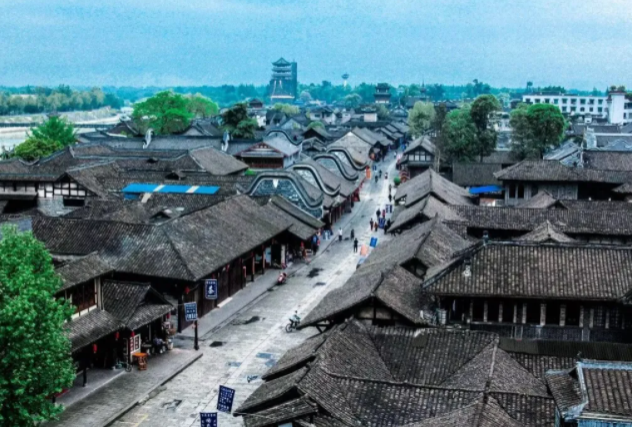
(515, 316)
(471, 311)
(485, 311)
(263, 261)
(562, 314)
(581, 316)
(591, 320)
(500, 312)
(524, 313)
(606, 313)
(252, 276)
(542, 314)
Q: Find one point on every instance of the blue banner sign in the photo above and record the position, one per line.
(225, 399)
(210, 287)
(190, 311)
(208, 419)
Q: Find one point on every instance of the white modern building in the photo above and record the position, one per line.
(615, 106)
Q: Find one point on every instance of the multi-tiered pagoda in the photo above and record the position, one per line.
(284, 82)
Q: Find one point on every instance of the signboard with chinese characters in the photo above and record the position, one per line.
(210, 289)
(225, 399)
(190, 311)
(208, 419)
(134, 344)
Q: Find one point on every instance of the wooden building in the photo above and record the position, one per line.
(526, 290)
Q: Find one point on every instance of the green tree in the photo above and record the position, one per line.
(441, 113)
(236, 121)
(459, 136)
(420, 118)
(481, 111)
(287, 109)
(165, 113)
(34, 148)
(305, 96)
(353, 100)
(34, 351)
(315, 124)
(55, 129)
(536, 129)
(382, 112)
(201, 106)
(521, 132)
(436, 92)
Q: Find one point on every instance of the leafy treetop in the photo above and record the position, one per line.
(536, 129)
(290, 110)
(201, 106)
(420, 118)
(236, 121)
(34, 350)
(52, 135)
(165, 113)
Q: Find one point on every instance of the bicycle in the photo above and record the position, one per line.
(292, 326)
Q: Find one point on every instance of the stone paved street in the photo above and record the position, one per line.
(252, 341)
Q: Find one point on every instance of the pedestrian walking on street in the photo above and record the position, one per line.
(340, 234)
(377, 214)
(355, 245)
(371, 223)
(390, 198)
(376, 179)
(377, 225)
(352, 234)
(384, 213)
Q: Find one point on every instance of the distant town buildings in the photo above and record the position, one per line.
(284, 82)
(614, 107)
(382, 93)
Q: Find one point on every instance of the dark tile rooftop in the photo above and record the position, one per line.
(565, 271)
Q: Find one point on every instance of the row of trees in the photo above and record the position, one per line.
(467, 134)
(45, 100)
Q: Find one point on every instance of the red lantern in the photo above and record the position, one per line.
(94, 348)
(168, 316)
(133, 334)
(117, 335)
(186, 290)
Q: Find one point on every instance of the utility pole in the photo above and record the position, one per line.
(195, 345)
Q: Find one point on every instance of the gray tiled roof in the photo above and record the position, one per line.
(186, 248)
(284, 412)
(545, 232)
(91, 327)
(82, 270)
(431, 182)
(395, 376)
(569, 221)
(565, 271)
(134, 304)
(217, 162)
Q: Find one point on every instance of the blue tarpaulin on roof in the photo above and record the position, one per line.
(137, 188)
(486, 189)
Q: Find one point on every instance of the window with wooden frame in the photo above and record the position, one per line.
(83, 296)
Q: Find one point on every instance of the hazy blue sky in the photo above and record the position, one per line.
(576, 43)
